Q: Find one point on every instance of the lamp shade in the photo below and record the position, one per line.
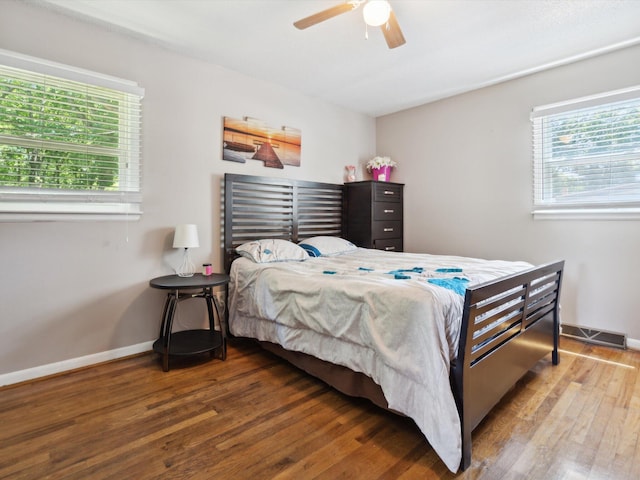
(186, 236)
(376, 12)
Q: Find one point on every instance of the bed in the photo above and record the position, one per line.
(440, 339)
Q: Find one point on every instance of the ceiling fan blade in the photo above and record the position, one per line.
(323, 15)
(392, 33)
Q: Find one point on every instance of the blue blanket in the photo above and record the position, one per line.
(457, 284)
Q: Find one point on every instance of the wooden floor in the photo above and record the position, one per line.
(255, 417)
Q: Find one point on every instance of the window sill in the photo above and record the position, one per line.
(587, 214)
(67, 212)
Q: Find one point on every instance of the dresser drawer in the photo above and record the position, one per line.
(386, 192)
(387, 211)
(388, 229)
(388, 244)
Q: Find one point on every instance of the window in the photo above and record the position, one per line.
(69, 142)
(587, 155)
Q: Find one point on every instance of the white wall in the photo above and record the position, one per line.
(466, 162)
(71, 289)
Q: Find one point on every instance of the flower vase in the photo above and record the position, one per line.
(382, 174)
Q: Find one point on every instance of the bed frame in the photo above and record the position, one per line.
(508, 325)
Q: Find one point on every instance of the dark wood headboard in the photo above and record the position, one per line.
(258, 207)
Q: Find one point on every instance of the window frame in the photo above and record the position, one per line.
(607, 210)
(125, 203)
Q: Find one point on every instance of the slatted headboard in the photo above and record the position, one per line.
(258, 207)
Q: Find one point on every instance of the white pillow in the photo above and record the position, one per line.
(326, 246)
(272, 250)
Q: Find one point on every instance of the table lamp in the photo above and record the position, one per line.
(186, 236)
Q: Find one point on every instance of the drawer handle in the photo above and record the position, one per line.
(389, 248)
(389, 192)
(388, 211)
(388, 230)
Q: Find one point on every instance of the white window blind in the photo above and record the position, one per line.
(587, 153)
(69, 141)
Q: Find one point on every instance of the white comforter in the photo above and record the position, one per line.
(352, 310)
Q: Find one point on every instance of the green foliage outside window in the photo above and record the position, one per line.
(57, 138)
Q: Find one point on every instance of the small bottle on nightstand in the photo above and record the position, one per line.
(206, 269)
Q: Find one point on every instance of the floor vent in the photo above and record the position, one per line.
(599, 337)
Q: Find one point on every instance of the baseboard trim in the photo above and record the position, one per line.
(73, 363)
(633, 344)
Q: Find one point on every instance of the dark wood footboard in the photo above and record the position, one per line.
(507, 327)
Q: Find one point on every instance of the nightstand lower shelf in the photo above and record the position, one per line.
(190, 342)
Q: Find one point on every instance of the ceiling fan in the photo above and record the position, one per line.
(377, 13)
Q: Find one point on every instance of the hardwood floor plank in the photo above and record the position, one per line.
(538, 453)
(338, 446)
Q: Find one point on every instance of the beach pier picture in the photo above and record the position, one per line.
(253, 139)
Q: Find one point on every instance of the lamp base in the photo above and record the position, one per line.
(187, 268)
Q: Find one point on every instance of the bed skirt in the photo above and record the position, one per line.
(354, 384)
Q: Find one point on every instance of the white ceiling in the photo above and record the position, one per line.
(452, 46)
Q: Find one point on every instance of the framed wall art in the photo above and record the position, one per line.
(253, 139)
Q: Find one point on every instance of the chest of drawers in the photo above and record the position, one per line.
(373, 215)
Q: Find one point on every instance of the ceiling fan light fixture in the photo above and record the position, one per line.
(376, 12)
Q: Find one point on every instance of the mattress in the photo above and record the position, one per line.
(395, 317)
